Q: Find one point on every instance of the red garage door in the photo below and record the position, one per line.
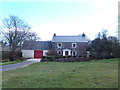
(38, 54)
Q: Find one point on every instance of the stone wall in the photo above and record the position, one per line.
(80, 49)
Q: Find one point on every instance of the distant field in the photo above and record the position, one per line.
(89, 74)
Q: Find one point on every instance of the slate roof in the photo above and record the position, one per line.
(43, 45)
(39, 45)
(70, 39)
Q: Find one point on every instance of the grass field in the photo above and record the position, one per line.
(11, 62)
(89, 74)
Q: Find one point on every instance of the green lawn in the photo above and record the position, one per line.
(11, 62)
(89, 74)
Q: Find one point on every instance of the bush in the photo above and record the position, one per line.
(69, 56)
(56, 57)
(51, 52)
(64, 59)
(43, 56)
(7, 55)
(18, 54)
(47, 58)
(64, 56)
(74, 56)
(51, 58)
(79, 56)
(5, 60)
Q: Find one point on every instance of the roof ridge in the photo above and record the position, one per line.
(43, 41)
(68, 36)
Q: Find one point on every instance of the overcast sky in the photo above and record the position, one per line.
(64, 17)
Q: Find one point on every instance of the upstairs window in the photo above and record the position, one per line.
(74, 45)
(59, 45)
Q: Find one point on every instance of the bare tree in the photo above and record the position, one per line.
(16, 32)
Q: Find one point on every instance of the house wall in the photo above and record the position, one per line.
(44, 52)
(80, 49)
(28, 53)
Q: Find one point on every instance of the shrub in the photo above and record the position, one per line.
(7, 55)
(51, 53)
(64, 59)
(56, 57)
(79, 56)
(5, 60)
(69, 56)
(18, 54)
(74, 56)
(43, 56)
(64, 56)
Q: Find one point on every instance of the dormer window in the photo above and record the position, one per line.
(74, 45)
(59, 45)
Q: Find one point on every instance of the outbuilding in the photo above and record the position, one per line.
(36, 50)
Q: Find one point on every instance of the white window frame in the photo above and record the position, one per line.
(58, 45)
(75, 53)
(60, 52)
(73, 45)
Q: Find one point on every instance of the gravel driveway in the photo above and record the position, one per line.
(19, 65)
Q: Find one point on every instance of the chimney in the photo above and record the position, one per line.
(83, 35)
(54, 34)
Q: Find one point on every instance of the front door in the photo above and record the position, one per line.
(66, 53)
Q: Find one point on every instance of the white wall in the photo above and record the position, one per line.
(28, 53)
(44, 52)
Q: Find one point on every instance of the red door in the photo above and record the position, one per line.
(38, 54)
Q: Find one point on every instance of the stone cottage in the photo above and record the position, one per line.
(70, 45)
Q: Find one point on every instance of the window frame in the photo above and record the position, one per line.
(74, 44)
(73, 53)
(60, 52)
(58, 45)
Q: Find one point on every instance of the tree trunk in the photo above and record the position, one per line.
(12, 56)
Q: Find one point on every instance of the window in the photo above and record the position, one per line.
(74, 45)
(59, 45)
(59, 52)
(74, 53)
